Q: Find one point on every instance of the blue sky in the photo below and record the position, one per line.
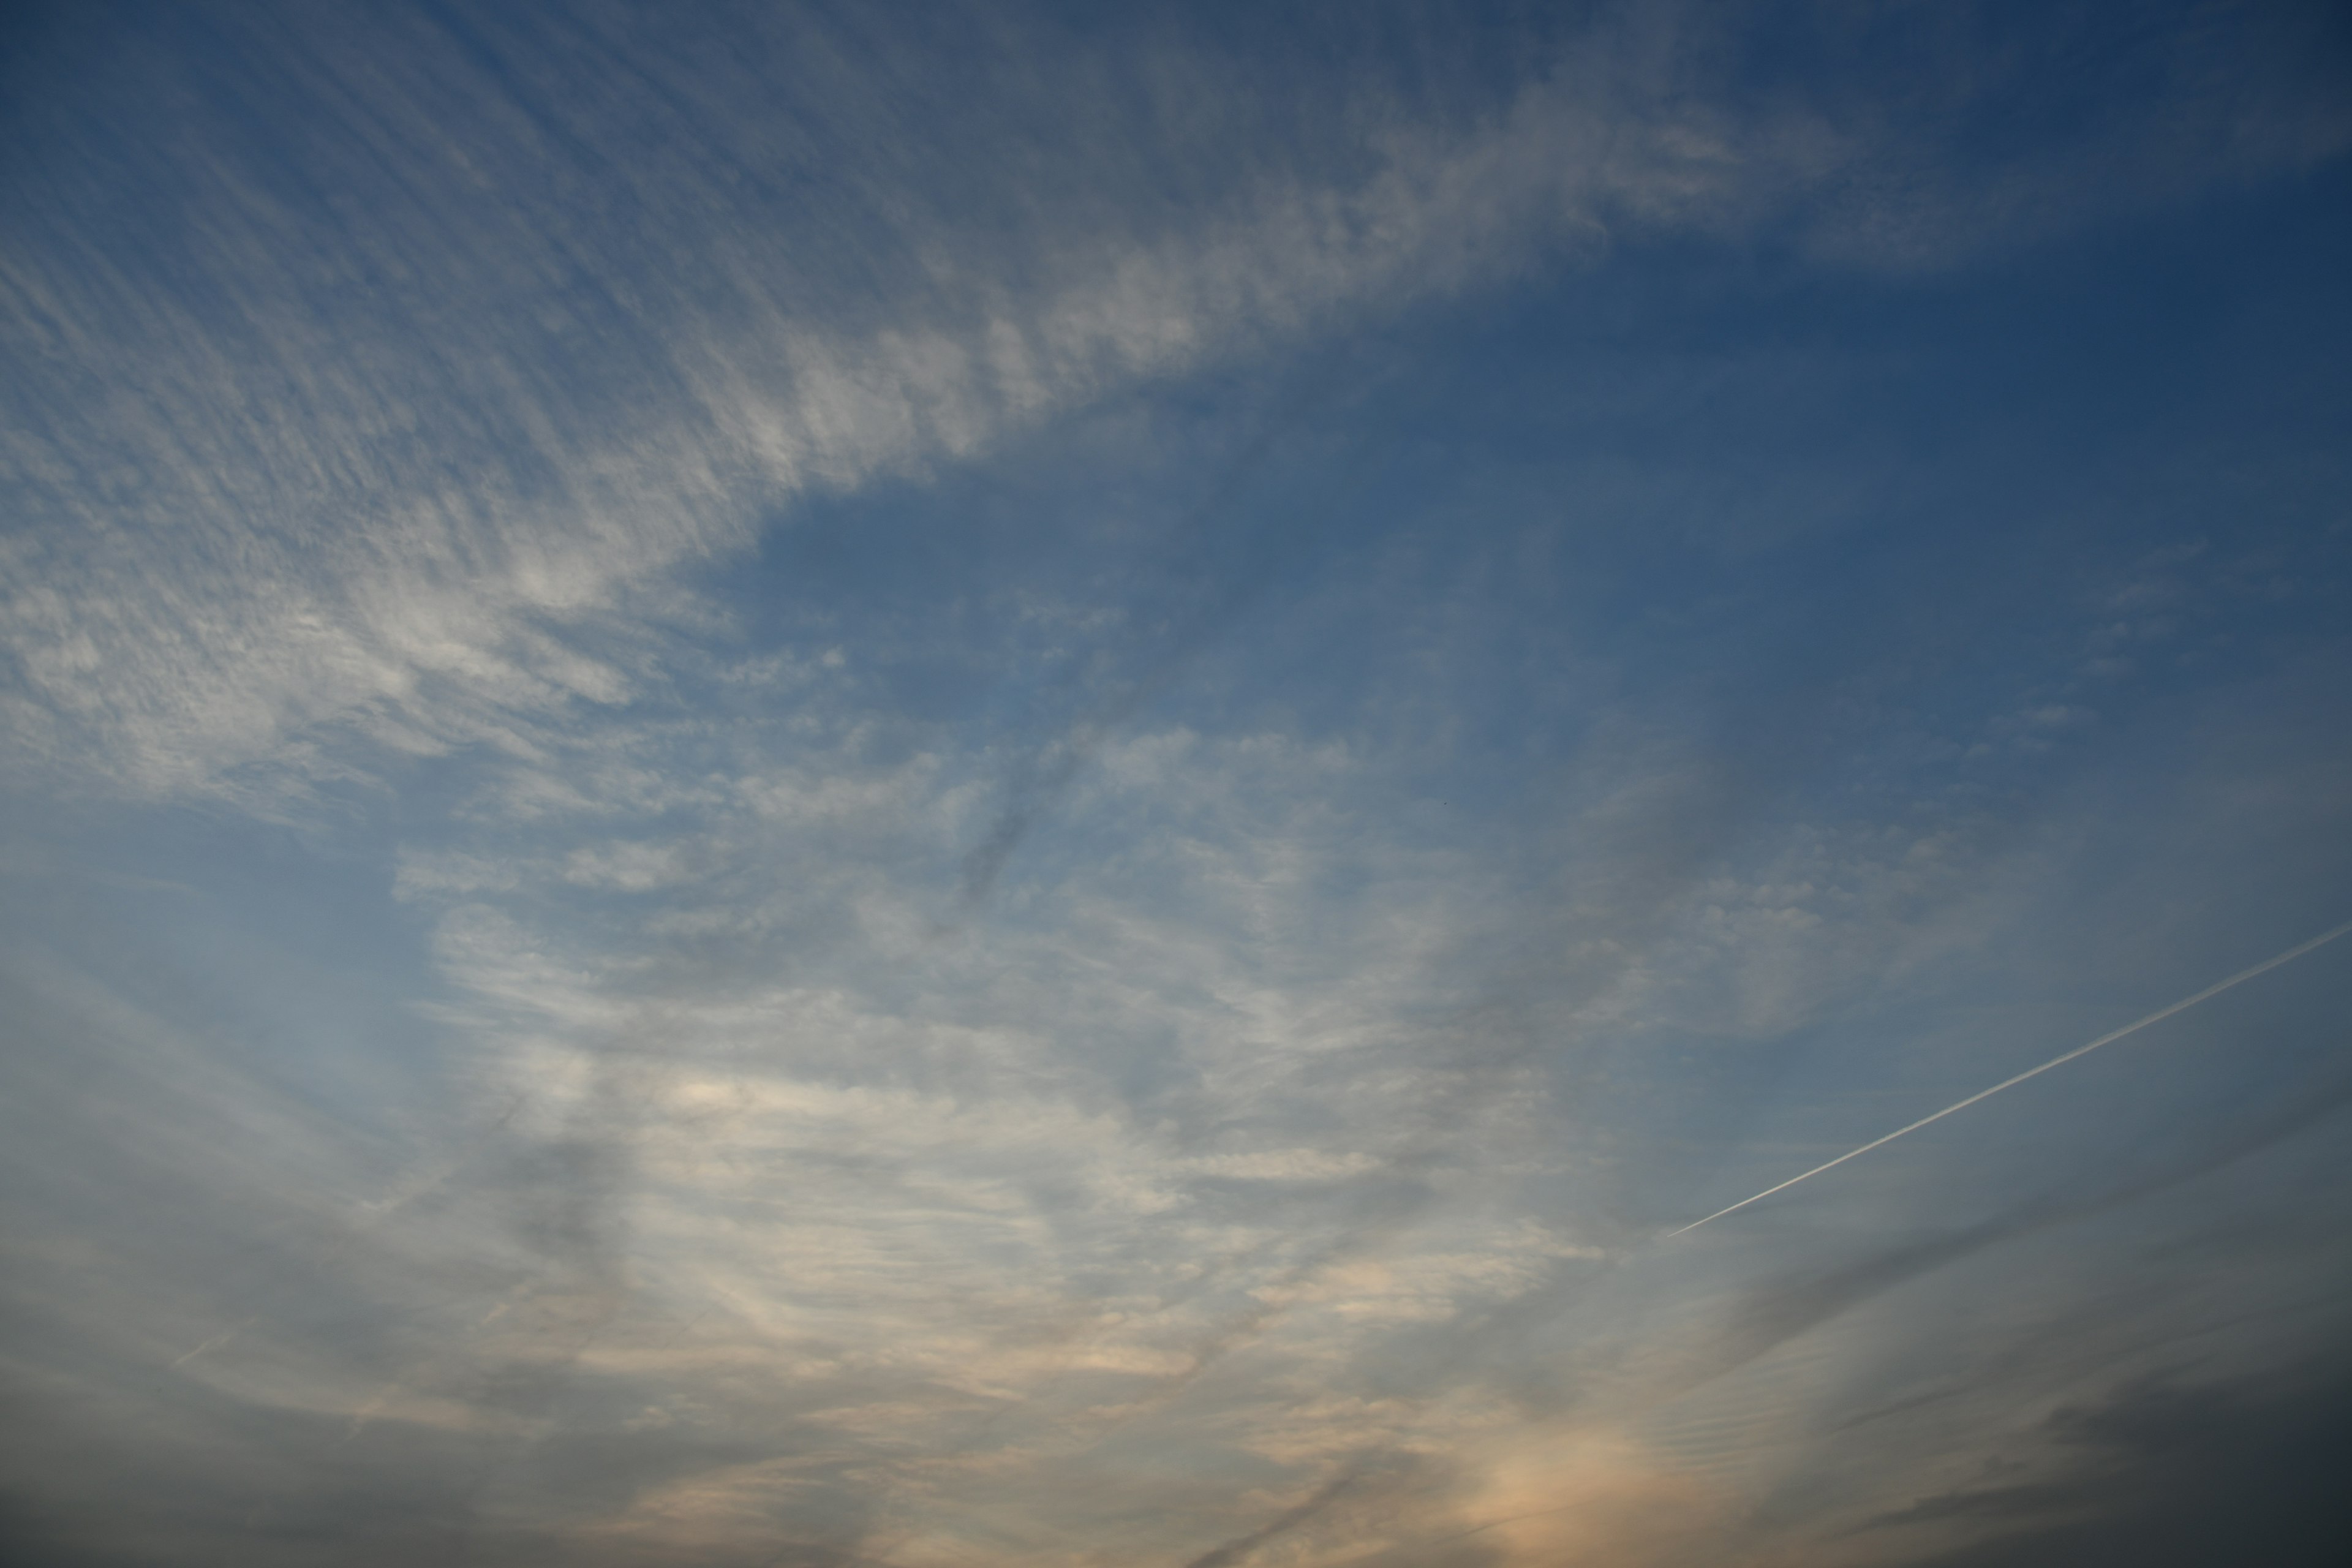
(959, 785)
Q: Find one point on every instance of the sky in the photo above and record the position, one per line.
(949, 785)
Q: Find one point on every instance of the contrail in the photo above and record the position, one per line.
(2160, 1014)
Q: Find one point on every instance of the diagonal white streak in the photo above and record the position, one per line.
(2109, 1038)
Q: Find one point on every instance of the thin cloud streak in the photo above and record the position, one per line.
(2134, 1028)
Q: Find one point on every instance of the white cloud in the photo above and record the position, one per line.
(306, 534)
(1208, 1134)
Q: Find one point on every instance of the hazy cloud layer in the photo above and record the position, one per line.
(961, 786)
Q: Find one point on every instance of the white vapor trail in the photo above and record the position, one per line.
(2135, 1026)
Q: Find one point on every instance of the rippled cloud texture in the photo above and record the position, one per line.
(967, 785)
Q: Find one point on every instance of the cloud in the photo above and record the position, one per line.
(1242, 1547)
(379, 350)
(408, 511)
(820, 1120)
(2163, 1471)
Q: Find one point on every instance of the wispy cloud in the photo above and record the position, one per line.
(372, 395)
(963, 890)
